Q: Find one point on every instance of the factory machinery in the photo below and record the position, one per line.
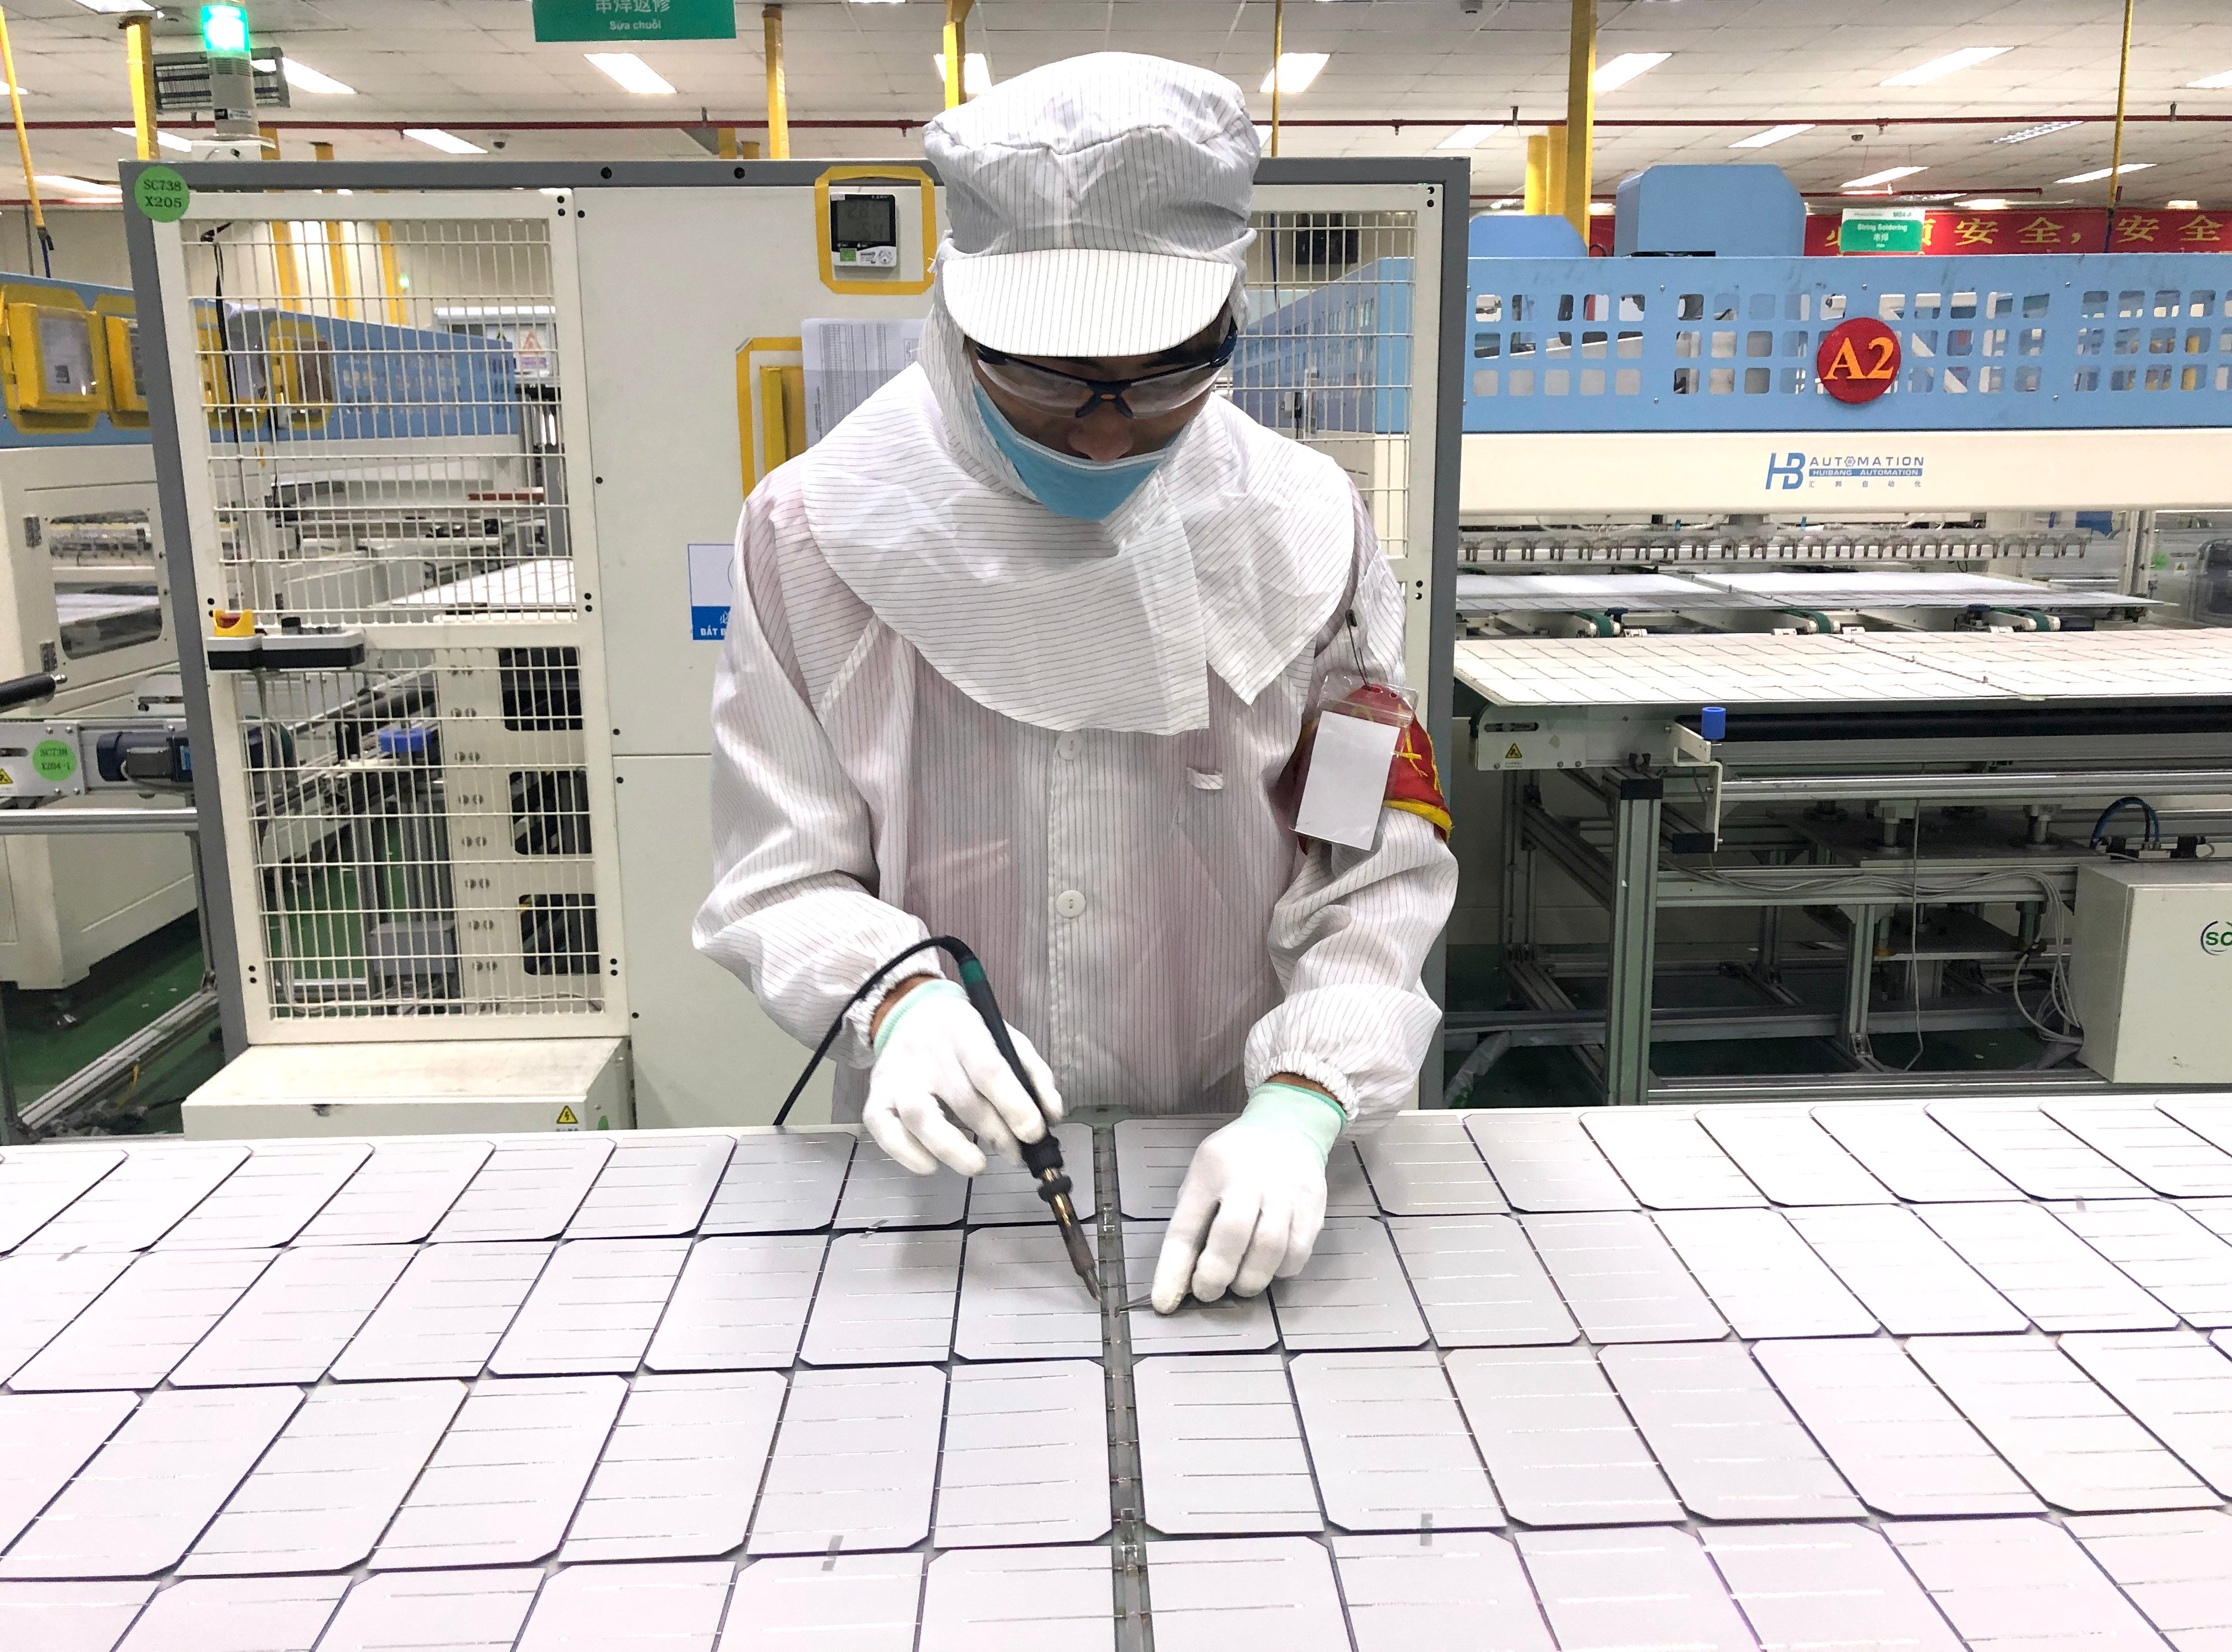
(87, 650)
(1905, 714)
(450, 509)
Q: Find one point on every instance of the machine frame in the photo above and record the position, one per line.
(659, 1012)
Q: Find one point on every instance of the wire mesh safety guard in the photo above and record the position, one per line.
(383, 440)
(1326, 357)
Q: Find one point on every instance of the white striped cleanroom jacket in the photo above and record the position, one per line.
(1146, 918)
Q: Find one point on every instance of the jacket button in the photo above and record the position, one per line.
(1069, 904)
(1068, 745)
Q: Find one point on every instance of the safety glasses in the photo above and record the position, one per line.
(1147, 397)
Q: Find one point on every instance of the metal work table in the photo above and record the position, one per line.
(1893, 721)
(1735, 1377)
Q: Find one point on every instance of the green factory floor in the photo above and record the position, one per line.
(52, 1035)
(1557, 1076)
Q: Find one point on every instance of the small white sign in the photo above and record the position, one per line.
(1348, 782)
(713, 567)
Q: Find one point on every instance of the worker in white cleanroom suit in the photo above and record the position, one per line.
(1031, 649)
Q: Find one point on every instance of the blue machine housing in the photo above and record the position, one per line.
(1720, 211)
(1337, 359)
(340, 380)
(2010, 342)
(103, 434)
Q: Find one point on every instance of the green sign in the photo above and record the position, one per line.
(161, 193)
(635, 20)
(1881, 229)
(55, 760)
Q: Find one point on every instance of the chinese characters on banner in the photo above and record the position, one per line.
(2049, 230)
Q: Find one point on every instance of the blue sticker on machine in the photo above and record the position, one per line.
(712, 585)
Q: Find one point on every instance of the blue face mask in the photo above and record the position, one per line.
(1088, 490)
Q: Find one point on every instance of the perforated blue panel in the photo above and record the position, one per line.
(1729, 344)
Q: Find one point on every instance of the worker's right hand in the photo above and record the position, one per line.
(935, 1057)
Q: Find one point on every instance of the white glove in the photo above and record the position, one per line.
(933, 1048)
(1262, 1179)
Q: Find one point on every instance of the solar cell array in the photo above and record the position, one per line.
(1747, 1378)
(1849, 668)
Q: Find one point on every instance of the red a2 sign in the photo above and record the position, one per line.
(1859, 360)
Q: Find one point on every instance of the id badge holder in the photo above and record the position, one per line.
(1350, 735)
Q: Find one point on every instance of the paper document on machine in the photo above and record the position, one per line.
(847, 361)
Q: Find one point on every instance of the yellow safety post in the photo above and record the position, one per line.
(957, 52)
(1538, 172)
(339, 278)
(1581, 115)
(2116, 150)
(139, 66)
(391, 276)
(1278, 51)
(24, 148)
(1554, 175)
(778, 98)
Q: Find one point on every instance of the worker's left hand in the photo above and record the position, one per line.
(1253, 1199)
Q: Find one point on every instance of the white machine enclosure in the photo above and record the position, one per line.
(659, 374)
(87, 595)
(2151, 970)
(506, 1085)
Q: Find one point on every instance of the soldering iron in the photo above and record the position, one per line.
(1042, 1158)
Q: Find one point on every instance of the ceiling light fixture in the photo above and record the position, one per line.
(2182, 206)
(2100, 172)
(976, 73)
(448, 142)
(632, 73)
(1772, 135)
(1296, 70)
(68, 185)
(1624, 68)
(1938, 68)
(1889, 175)
(303, 78)
(1465, 138)
(2029, 132)
(1984, 202)
(2213, 82)
(166, 139)
(115, 8)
